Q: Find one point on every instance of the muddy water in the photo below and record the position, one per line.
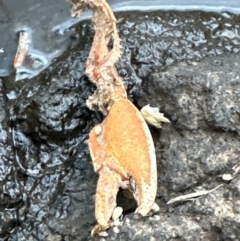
(47, 182)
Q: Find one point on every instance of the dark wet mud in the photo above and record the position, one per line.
(181, 61)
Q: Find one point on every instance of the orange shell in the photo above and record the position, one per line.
(124, 143)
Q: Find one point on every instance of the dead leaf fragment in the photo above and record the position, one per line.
(153, 116)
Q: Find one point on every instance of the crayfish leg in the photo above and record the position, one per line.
(105, 202)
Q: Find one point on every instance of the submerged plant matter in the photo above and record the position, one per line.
(22, 49)
(121, 147)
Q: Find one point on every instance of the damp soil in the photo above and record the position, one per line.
(47, 182)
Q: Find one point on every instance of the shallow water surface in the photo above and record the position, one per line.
(49, 23)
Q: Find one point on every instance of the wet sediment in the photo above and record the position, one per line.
(185, 62)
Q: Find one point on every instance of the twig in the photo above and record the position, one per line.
(192, 195)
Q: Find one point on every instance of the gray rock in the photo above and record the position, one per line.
(193, 152)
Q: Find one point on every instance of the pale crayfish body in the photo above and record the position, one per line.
(122, 150)
(121, 147)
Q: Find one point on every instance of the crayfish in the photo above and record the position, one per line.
(121, 147)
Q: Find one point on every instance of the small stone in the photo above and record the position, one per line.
(117, 213)
(127, 220)
(155, 217)
(227, 177)
(103, 234)
(155, 208)
(116, 230)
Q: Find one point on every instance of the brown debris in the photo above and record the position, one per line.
(100, 66)
(22, 49)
